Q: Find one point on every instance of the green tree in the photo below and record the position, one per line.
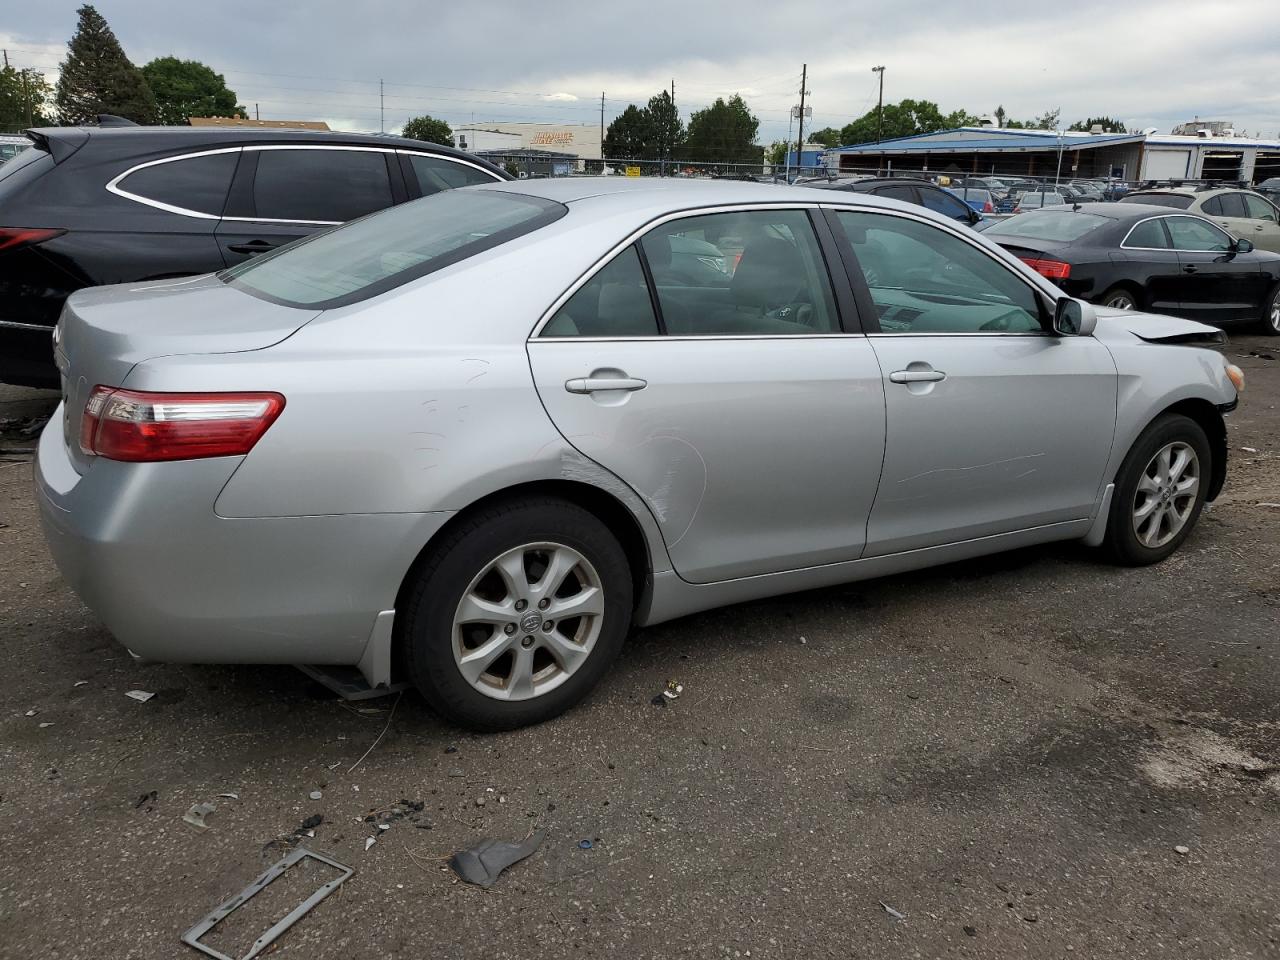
(827, 136)
(98, 78)
(24, 98)
(189, 88)
(904, 119)
(1000, 114)
(776, 152)
(724, 132)
(630, 135)
(1108, 125)
(960, 118)
(429, 129)
(665, 127)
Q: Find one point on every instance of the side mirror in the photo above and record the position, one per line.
(1074, 318)
(1242, 246)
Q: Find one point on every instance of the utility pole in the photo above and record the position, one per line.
(804, 76)
(879, 104)
(382, 109)
(6, 59)
(26, 92)
(257, 114)
(671, 132)
(602, 131)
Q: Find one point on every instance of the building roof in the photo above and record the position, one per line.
(990, 138)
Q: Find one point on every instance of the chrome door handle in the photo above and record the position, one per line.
(917, 376)
(594, 384)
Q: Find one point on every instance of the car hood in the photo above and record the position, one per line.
(1155, 327)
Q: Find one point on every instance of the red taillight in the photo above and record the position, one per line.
(136, 426)
(13, 237)
(1053, 269)
(988, 208)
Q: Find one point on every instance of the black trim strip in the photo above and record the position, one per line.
(653, 287)
(849, 315)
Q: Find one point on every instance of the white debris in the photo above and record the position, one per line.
(384, 826)
(80, 683)
(369, 842)
(229, 796)
(32, 713)
(142, 696)
(1249, 449)
(1181, 850)
(315, 794)
(47, 723)
(892, 912)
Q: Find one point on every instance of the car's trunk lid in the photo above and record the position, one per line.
(105, 331)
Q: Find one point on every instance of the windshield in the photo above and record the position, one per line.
(387, 249)
(1179, 200)
(1059, 225)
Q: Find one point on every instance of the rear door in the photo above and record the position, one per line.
(285, 192)
(743, 412)
(994, 425)
(1266, 222)
(1218, 285)
(1146, 253)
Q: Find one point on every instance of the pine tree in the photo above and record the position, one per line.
(98, 78)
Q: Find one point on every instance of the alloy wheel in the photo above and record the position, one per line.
(1166, 494)
(1273, 313)
(1121, 301)
(528, 621)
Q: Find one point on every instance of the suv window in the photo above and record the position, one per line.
(1149, 234)
(897, 192)
(924, 280)
(436, 173)
(942, 202)
(363, 259)
(758, 272)
(1229, 204)
(199, 184)
(1182, 201)
(1190, 233)
(1258, 209)
(613, 303)
(328, 186)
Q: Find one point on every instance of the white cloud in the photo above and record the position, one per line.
(561, 97)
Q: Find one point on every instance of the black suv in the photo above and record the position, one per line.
(93, 205)
(920, 192)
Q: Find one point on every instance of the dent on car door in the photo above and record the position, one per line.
(1218, 285)
(281, 195)
(736, 406)
(993, 424)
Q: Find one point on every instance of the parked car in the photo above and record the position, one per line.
(1087, 192)
(1036, 199)
(920, 192)
(1270, 188)
(11, 146)
(977, 198)
(94, 205)
(469, 442)
(1138, 257)
(1242, 213)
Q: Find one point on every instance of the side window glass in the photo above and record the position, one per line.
(435, 174)
(1233, 205)
(1213, 207)
(1149, 234)
(1258, 209)
(741, 274)
(193, 183)
(903, 193)
(944, 203)
(613, 303)
(323, 185)
(1188, 233)
(924, 280)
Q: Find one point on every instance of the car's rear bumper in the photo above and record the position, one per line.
(141, 546)
(26, 354)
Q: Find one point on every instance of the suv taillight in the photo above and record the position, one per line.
(142, 427)
(11, 238)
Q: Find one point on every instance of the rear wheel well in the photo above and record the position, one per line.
(1128, 287)
(1210, 421)
(607, 508)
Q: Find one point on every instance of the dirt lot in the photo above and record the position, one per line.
(1006, 752)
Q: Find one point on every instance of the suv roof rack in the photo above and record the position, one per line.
(1190, 183)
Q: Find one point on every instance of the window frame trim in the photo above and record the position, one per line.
(1124, 245)
(113, 185)
(862, 291)
(810, 208)
(1169, 233)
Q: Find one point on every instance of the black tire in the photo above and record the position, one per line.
(427, 635)
(1269, 322)
(1121, 291)
(1122, 540)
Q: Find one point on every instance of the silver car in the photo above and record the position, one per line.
(472, 440)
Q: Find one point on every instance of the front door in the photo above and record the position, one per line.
(1264, 220)
(739, 409)
(993, 424)
(1218, 284)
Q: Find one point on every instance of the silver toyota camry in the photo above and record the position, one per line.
(473, 440)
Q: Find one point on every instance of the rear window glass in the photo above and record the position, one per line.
(1179, 200)
(435, 174)
(1061, 225)
(24, 159)
(379, 253)
(189, 183)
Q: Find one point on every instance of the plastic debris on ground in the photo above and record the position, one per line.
(585, 844)
(31, 713)
(315, 794)
(671, 691)
(144, 799)
(483, 863)
(197, 813)
(229, 796)
(1181, 850)
(80, 683)
(369, 842)
(142, 696)
(892, 912)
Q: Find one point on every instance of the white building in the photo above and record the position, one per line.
(582, 140)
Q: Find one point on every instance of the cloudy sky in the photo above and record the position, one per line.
(1146, 62)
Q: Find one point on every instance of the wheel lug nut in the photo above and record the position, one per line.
(543, 604)
(520, 605)
(527, 642)
(548, 626)
(510, 628)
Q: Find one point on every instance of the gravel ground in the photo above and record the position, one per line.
(1009, 753)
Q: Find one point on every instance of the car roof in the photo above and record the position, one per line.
(1119, 211)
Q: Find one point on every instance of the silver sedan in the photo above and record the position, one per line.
(473, 440)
